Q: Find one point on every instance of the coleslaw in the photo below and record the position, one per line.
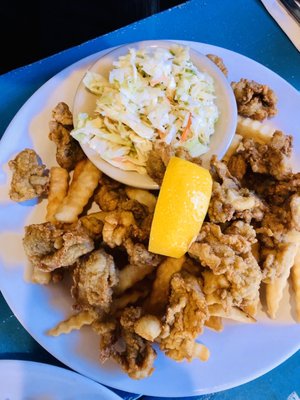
(153, 94)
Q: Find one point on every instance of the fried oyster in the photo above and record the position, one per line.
(68, 151)
(232, 276)
(254, 100)
(49, 246)
(30, 177)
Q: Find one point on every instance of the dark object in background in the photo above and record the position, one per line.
(32, 30)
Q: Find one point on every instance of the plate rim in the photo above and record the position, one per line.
(35, 366)
(74, 66)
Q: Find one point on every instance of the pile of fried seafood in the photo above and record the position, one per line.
(134, 299)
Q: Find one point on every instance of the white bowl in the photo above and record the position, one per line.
(85, 101)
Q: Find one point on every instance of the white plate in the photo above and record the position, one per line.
(38, 381)
(239, 354)
(85, 101)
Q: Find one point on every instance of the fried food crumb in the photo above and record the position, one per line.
(219, 63)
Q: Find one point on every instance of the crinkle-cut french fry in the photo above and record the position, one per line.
(160, 289)
(132, 274)
(249, 128)
(233, 313)
(274, 290)
(200, 351)
(214, 323)
(58, 188)
(142, 196)
(77, 170)
(40, 277)
(233, 146)
(76, 321)
(148, 327)
(127, 298)
(296, 283)
(80, 191)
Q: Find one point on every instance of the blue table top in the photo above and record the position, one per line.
(243, 26)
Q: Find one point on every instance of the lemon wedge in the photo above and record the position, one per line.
(181, 207)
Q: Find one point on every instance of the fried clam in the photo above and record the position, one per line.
(254, 100)
(94, 278)
(68, 150)
(183, 322)
(30, 177)
(50, 246)
(230, 200)
(138, 356)
(232, 276)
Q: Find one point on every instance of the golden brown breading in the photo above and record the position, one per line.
(68, 151)
(229, 200)
(141, 264)
(138, 357)
(254, 100)
(271, 159)
(117, 227)
(279, 230)
(50, 246)
(93, 280)
(280, 221)
(93, 225)
(275, 192)
(159, 157)
(112, 196)
(218, 250)
(233, 277)
(109, 194)
(219, 63)
(139, 255)
(186, 314)
(107, 330)
(30, 178)
(62, 114)
(275, 260)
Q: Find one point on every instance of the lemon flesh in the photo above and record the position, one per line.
(181, 207)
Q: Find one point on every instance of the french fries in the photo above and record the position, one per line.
(296, 283)
(130, 297)
(80, 191)
(58, 188)
(233, 146)
(258, 131)
(75, 322)
(160, 289)
(132, 274)
(142, 196)
(274, 290)
(78, 169)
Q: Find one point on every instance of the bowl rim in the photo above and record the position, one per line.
(132, 178)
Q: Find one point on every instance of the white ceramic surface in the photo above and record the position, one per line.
(85, 101)
(27, 380)
(239, 354)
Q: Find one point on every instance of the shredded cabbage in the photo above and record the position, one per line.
(154, 94)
